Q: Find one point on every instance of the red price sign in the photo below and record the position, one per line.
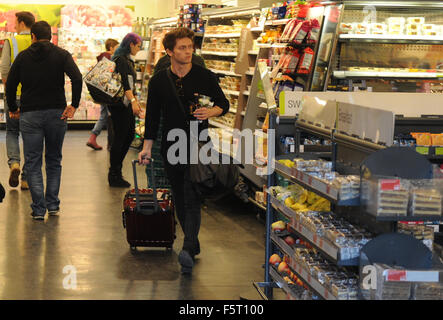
(396, 275)
(300, 228)
(326, 295)
(302, 176)
(300, 270)
(310, 180)
(320, 244)
(328, 189)
(309, 278)
(315, 239)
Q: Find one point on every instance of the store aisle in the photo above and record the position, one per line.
(35, 257)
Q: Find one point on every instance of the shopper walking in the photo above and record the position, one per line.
(12, 47)
(43, 112)
(122, 113)
(111, 45)
(188, 79)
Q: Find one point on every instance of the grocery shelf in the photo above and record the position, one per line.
(257, 29)
(222, 35)
(231, 92)
(387, 74)
(391, 38)
(329, 250)
(253, 53)
(227, 73)
(232, 110)
(257, 204)
(219, 125)
(314, 184)
(249, 73)
(246, 93)
(275, 45)
(301, 272)
(282, 284)
(407, 218)
(277, 22)
(220, 53)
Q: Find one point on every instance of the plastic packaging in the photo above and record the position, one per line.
(306, 61)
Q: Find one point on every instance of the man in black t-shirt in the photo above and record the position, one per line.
(188, 79)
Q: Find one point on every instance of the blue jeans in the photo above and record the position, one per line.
(101, 122)
(43, 128)
(12, 139)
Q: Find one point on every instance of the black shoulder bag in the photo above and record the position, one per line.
(211, 179)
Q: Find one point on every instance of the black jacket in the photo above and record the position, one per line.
(41, 70)
(162, 102)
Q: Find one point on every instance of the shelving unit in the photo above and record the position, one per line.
(420, 53)
(226, 41)
(379, 162)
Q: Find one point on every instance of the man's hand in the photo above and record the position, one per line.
(68, 113)
(15, 115)
(206, 113)
(143, 157)
(137, 110)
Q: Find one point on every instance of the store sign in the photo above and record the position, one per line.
(48, 13)
(318, 112)
(290, 106)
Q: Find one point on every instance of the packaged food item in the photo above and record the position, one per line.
(386, 197)
(288, 30)
(425, 202)
(315, 31)
(302, 32)
(428, 27)
(306, 61)
(378, 28)
(361, 28)
(422, 138)
(415, 20)
(396, 20)
(396, 29)
(346, 27)
(437, 140)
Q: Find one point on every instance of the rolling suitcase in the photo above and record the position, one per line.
(148, 215)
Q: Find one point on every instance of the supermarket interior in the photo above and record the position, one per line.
(335, 123)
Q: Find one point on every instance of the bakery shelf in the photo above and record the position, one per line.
(328, 249)
(231, 92)
(220, 53)
(222, 35)
(227, 73)
(301, 272)
(257, 204)
(386, 74)
(391, 38)
(219, 125)
(314, 184)
(282, 284)
(253, 53)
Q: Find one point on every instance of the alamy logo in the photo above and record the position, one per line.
(186, 148)
(370, 278)
(70, 281)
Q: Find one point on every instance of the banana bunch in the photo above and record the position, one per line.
(287, 162)
(309, 201)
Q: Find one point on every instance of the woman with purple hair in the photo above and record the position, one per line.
(122, 113)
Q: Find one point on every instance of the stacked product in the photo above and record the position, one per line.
(395, 26)
(420, 232)
(190, 16)
(235, 28)
(221, 45)
(401, 197)
(348, 186)
(230, 83)
(221, 65)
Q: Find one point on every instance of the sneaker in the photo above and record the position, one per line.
(24, 185)
(37, 216)
(186, 261)
(14, 174)
(53, 212)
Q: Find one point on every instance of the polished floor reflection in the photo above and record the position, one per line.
(86, 243)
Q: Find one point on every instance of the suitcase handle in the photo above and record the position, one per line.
(154, 187)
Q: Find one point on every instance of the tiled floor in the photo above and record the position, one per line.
(37, 258)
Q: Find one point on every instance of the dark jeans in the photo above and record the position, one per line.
(123, 122)
(12, 139)
(43, 129)
(187, 206)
